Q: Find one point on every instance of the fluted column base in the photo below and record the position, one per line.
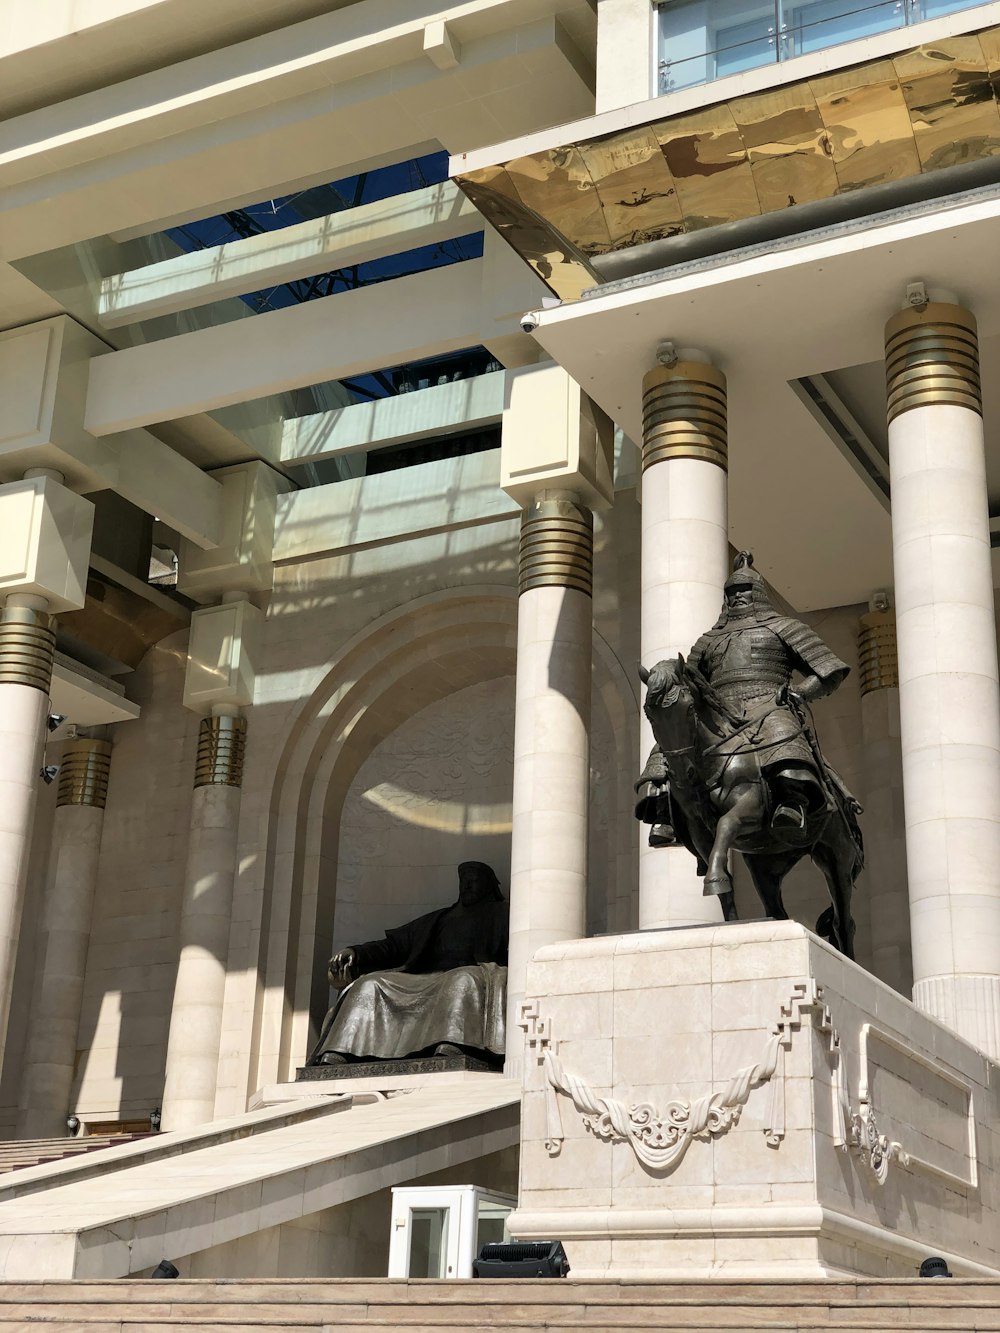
(969, 1005)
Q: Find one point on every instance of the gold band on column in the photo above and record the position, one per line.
(878, 666)
(932, 358)
(27, 647)
(557, 547)
(83, 773)
(221, 744)
(684, 414)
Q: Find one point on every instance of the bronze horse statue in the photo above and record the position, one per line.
(722, 802)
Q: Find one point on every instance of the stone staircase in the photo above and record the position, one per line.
(16, 1154)
(352, 1306)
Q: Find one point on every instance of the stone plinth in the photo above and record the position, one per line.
(742, 1101)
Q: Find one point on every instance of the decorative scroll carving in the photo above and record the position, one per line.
(874, 1148)
(660, 1139)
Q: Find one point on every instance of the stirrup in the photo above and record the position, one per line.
(662, 835)
(789, 817)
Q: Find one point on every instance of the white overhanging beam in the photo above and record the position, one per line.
(462, 405)
(159, 480)
(406, 319)
(356, 236)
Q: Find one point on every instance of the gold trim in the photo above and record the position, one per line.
(557, 547)
(684, 414)
(27, 647)
(878, 666)
(221, 746)
(880, 121)
(932, 358)
(83, 773)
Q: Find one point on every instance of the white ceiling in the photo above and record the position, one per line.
(820, 534)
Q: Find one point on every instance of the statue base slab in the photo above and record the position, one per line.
(742, 1101)
(382, 1069)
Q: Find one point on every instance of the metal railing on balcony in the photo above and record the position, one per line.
(702, 40)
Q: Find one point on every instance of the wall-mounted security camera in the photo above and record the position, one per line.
(529, 322)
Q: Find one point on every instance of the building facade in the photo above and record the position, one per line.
(382, 383)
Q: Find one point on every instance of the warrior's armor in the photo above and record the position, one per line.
(749, 657)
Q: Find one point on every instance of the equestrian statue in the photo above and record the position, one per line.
(737, 766)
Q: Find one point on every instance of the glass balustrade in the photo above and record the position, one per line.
(702, 40)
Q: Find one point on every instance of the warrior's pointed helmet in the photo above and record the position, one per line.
(745, 576)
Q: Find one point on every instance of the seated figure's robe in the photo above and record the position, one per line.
(440, 978)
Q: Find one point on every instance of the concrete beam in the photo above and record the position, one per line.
(392, 506)
(463, 405)
(253, 120)
(159, 480)
(355, 236)
(344, 335)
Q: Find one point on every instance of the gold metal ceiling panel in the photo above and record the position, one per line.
(990, 43)
(553, 257)
(867, 124)
(885, 120)
(557, 185)
(710, 165)
(635, 187)
(953, 111)
(791, 157)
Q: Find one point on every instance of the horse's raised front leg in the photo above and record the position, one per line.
(745, 810)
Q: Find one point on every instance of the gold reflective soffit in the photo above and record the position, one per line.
(557, 262)
(953, 110)
(928, 108)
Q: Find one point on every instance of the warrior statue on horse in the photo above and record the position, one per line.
(736, 765)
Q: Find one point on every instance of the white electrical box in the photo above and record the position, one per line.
(437, 1230)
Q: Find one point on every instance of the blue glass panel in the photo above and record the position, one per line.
(816, 24)
(744, 46)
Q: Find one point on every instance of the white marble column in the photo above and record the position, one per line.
(548, 874)
(685, 561)
(199, 991)
(884, 883)
(27, 646)
(50, 1051)
(948, 684)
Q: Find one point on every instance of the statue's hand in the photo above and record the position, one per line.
(341, 970)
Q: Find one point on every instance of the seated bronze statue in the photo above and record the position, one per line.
(434, 986)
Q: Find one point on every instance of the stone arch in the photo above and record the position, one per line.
(403, 662)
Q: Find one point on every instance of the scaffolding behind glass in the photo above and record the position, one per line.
(701, 40)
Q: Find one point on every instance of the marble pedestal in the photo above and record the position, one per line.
(739, 1100)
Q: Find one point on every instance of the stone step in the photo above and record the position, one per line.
(18, 1154)
(352, 1305)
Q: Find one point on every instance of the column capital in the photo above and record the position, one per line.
(557, 545)
(932, 359)
(878, 667)
(83, 773)
(684, 413)
(221, 747)
(27, 646)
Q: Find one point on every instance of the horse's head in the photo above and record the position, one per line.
(664, 684)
